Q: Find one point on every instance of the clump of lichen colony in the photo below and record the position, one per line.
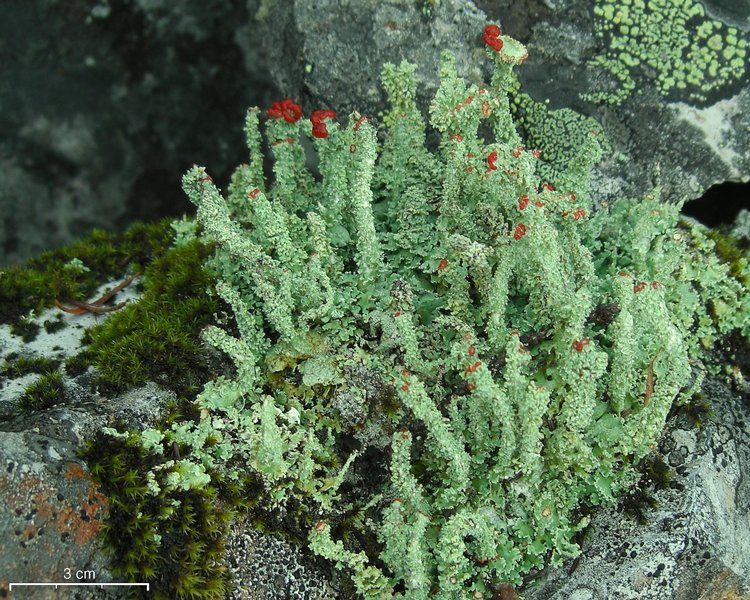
(446, 352)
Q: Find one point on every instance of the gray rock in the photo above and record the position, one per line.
(51, 509)
(267, 568)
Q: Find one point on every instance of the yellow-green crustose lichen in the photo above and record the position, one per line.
(690, 52)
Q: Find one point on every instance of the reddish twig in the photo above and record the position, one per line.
(96, 306)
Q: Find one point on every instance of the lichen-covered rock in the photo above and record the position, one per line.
(51, 509)
(264, 567)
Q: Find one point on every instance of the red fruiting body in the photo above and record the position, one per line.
(639, 287)
(320, 525)
(548, 187)
(254, 194)
(623, 274)
(517, 151)
(319, 116)
(317, 119)
(579, 214)
(491, 161)
(287, 109)
(579, 345)
(471, 350)
(573, 197)
(463, 104)
(491, 37)
(359, 122)
(473, 367)
(405, 387)
(457, 138)
(519, 232)
(539, 203)
(523, 202)
(471, 387)
(442, 264)
(397, 313)
(655, 284)
(535, 153)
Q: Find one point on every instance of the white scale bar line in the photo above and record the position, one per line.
(58, 584)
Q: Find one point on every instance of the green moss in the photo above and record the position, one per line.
(36, 284)
(157, 337)
(697, 410)
(157, 533)
(44, 393)
(23, 365)
(733, 252)
(26, 329)
(53, 326)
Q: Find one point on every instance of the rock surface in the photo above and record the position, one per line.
(52, 510)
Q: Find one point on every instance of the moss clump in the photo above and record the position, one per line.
(26, 329)
(36, 284)
(18, 366)
(46, 392)
(159, 530)
(734, 253)
(54, 325)
(157, 337)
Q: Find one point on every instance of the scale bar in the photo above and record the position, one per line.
(58, 584)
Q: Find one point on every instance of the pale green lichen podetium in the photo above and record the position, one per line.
(690, 53)
(531, 346)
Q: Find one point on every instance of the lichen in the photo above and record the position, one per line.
(689, 54)
(533, 346)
